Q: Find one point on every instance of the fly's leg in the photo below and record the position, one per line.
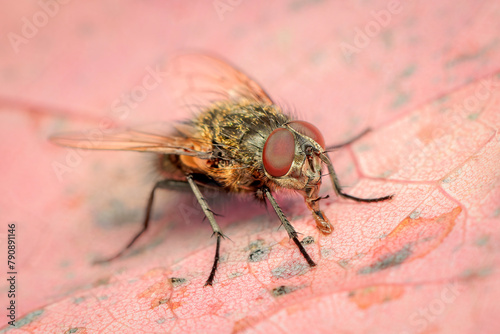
(164, 184)
(335, 180)
(215, 227)
(338, 188)
(288, 227)
(350, 141)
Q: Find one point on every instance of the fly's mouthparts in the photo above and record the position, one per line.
(322, 222)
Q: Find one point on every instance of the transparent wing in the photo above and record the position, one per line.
(200, 80)
(197, 81)
(133, 140)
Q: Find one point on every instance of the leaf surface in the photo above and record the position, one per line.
(425, 262)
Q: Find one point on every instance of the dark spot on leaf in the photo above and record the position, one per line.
(473, 116)
(257, 255)
(465, 57)
(415, 214)
(65, 263)
(442, 99)
(386, 174)
(150, 245)
(298, 4)
(177, 281)
(234, 275)
(477, 272)
(282, 290)
(401, 99)
(72, 330)
(117, 213)
(483, 240)
(387, 261)
(102, 281)
(363, 148)
(258, 252)
(344, 263)
(307, 240)
(29, 318)
(290, 270)
(160, 321)
(496, 213)
(78, 300)
(408, 71)
(388, 39)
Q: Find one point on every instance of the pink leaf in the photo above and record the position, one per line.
(423, 262)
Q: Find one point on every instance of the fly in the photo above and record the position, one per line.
(240, 141)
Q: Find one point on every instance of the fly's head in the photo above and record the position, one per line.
(292, 159)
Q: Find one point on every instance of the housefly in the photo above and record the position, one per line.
(239, 141)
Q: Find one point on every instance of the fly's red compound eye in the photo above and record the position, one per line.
(309, 130)
(279, 151)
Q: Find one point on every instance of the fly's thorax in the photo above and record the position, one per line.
(238, 130)
(236, 133)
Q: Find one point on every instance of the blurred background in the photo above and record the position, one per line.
(342, 65)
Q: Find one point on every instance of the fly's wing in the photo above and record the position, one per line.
(200, 80)
(197, 81)
(133, 140)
